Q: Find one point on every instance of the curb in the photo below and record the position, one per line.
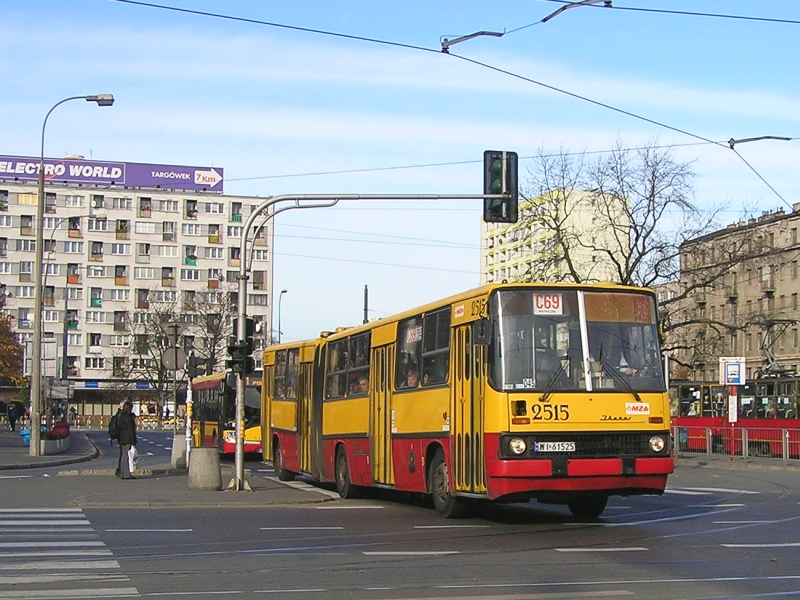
(733, 465)
(57, 462)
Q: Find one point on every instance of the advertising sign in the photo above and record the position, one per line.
(68, 171)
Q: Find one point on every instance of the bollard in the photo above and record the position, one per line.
(204, 470)
(178, 459)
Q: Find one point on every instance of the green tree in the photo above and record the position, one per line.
(11, 355)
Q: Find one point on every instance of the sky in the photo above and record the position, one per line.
(377, 108)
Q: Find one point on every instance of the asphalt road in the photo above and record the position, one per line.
(717, 533)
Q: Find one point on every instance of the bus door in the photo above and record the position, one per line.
(467, 413)
(304, 416)
(381, 364)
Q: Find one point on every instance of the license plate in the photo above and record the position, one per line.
(554, 447)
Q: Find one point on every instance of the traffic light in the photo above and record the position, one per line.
(197, 366)
(241, 362)
(500, 177)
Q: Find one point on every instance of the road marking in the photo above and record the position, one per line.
(713, 490)
(15, 476)
(46, 544)
(277, 591)
(786, 545)
(67, 593)
(686, 492)
(412, 553)
(298, 528)
(61, 564)
(347, 507)
(59, 577)
(60, 511)
(738, 522)
(72, 553)
(147, 530)
(300, 485)
(726, 505)
(43, 523)
(629, 549)
(451, 526)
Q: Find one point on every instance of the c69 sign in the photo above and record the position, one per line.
(549, 303)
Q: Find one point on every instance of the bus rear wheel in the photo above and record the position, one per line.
(344, 486)
(588, 507)
(277, 462)
(447, 505)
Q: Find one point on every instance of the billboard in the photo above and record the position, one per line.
(70, 171)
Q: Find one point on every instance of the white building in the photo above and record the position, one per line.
(120, 238)
(528, 250)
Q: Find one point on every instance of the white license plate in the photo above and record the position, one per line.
(554, 447)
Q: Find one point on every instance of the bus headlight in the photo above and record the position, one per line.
(517, 445)
(657, 443)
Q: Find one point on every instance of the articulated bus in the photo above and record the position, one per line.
(766, 408)
(508, 392)
(214, 412)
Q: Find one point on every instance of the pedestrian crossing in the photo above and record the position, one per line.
(55, 552)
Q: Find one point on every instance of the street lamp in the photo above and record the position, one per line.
(38, 267)
(280, 297)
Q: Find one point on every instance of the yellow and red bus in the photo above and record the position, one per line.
(214, 412)
(506, 392)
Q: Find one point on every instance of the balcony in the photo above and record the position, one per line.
(213, 284)
(24, 324)
(123, 235)
(143, 258)
(3, 251)
(191, 214)
(260, 241)
(168, 236)
(96, 302)
(26, 231)
(96, 257)
(120, 280)
(143, 303)
(72, 324)
(168, 281)
(190, 260)
(4, 206)
(237, 218)
(214, 239)
(25, 277)
(189, 305)
(50, 209)
(144, 213)
(233, 262)
(120, 326)
(75, 233)
(75, 278)
(48, 301)
(73, 372)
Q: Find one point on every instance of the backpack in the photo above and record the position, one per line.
(113, 428)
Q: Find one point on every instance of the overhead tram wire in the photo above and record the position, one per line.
(679, 12)
(438, 51)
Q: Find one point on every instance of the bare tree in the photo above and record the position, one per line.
(633, 212)
(211, 313)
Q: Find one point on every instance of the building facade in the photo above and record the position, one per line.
(123, 244)
(529, 250)
(742, 285)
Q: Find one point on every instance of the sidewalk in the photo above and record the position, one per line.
(156, 485)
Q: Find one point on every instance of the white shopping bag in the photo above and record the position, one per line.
(133, 458)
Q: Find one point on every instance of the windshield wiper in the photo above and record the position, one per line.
(620, 380)
(551, 383)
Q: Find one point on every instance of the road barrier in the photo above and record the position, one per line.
(746, 442)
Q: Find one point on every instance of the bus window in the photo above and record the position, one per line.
(436, 347)
(336, 371)
(280, 374)
(409, 347)
(292, 361)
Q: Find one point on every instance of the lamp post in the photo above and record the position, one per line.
(36, 359)
(280, 297)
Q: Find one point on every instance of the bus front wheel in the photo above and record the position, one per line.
(277, 462)
(588, 507)
(344, 486)
(447, 505)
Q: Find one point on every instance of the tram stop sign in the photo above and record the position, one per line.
(173, 358)
(732, 370)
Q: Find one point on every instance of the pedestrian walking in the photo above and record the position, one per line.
(12, 416)
(126, 421)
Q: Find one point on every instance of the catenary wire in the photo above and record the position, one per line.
(436, 51)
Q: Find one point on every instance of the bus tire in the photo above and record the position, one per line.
(344, 486)
(277, 463)
(447, 505)
(588, 507)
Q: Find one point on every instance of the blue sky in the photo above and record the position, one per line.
(276, 107)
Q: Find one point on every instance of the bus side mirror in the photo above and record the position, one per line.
(482, 332)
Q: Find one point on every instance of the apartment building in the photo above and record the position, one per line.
(742, 286)
(120, 240)
(527, 250)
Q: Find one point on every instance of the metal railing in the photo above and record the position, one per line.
(744, 442)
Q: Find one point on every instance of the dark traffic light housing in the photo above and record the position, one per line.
(241, 362)
(500, 178)
(197, 366)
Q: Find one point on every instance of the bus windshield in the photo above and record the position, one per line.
(570, 340)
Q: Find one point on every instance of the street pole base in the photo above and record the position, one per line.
(234, 486)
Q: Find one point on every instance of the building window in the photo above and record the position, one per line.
(235, 231)
(95, 271)
(97, 225)
(168, 205)
(122, 203)
(73, 247)
(215, 252)
(144, 273)
(190, 229)
(118, 294)
(260, 254)
(190, 274)
(95, 362)
(214, 208)
(168, 251)
(144, 227)
(95, 316)
(73, 201)
(121, 249)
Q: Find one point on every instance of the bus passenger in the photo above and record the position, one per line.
(363, 384)
(412, 379)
